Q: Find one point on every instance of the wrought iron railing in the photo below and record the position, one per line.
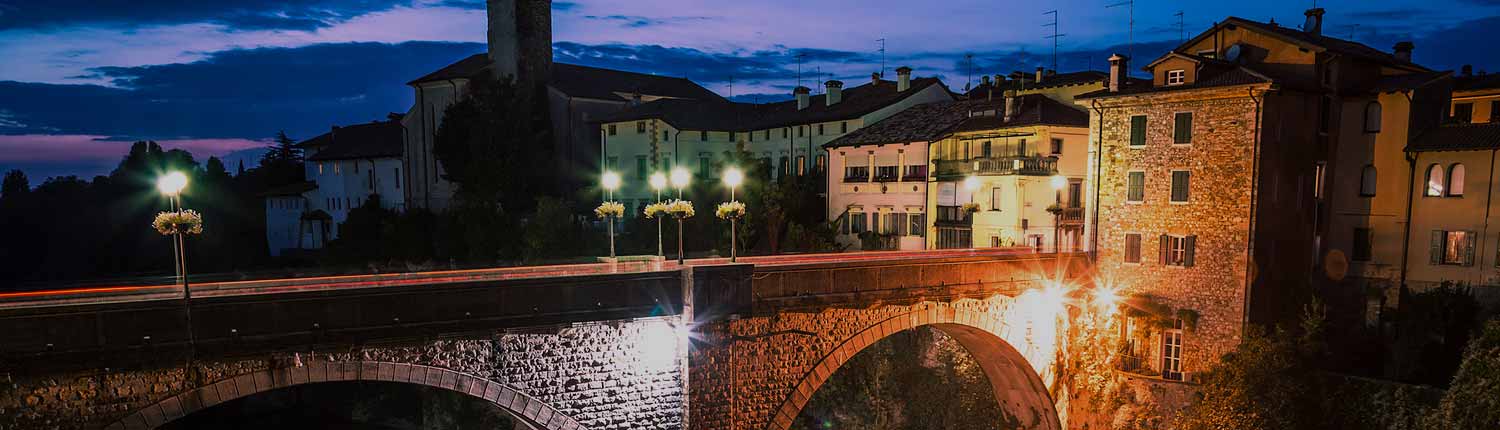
(1033, 165)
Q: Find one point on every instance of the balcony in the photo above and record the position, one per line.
(1030, 165)
(856, 174)
(1072, 216)
(914, 173)
(954, 215)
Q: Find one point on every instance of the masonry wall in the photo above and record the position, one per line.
(608, 375)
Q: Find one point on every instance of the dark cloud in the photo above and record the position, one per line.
(634, 21)
(701, 66)
(238, 14)
(248, 93)
(564, 6)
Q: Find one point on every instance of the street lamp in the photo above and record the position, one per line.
(733, 177)
(1058, 182)
(171, 185)
(971, 184)
(611, 182)
(658, 183)
(680, 179)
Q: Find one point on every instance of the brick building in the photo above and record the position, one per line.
(1211, 183)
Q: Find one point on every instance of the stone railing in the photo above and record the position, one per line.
(1031, 165)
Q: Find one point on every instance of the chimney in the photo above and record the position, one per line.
(1012, 105)
(802, 96)
(999, 80)
(835, 92)
(1403, 50)
(984, 80)
(1314, 24)
(1468, 70)
(874, 78)
(1039, 74)
(635, 99)
(903, 78)
(1118, 72)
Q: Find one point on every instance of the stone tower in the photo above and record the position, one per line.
(520, 39)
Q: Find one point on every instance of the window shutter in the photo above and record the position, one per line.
(1162, 243)
(1469, 248)
(1138, 130)
(1435, 249)
(1182, 130)
(1191, 246)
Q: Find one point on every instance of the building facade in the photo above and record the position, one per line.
(345, 168)
(1222, 166)
(787, 137)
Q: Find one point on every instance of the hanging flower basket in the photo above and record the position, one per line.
(610, 209)
(1054, 209)
(730, 210)
(186, 221)
(969, 208)
(681, 209)
(655, 210)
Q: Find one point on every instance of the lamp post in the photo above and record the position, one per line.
(680, 179)
(733, 177)
(971, 184)
(611, 182)
(1058, 182)
(658, 182)
(171, 185)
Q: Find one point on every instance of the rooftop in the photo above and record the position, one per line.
(736, 116)
(921, 123)
(377, 139)
(1481, 81)
(1035, 109)
(1054, 80)
(1458, 137)
(585, 81)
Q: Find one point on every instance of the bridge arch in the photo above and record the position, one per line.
(1019, 389)
(534, 412)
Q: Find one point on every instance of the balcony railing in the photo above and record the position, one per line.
(1008, 165)
(1072, 215)
(953, 214)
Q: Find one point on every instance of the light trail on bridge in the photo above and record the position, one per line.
(133, 293)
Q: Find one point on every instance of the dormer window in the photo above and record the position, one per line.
(1176, 77)
(1208, 53)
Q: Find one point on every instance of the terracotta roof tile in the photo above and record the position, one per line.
(1458, 137)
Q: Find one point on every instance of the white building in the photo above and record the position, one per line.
(879, 183)
(787, 136)
(345, 168)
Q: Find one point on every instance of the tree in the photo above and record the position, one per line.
(281, 164)
(14, 185)
(1473, 399)
(496, 145)
(1266, 383)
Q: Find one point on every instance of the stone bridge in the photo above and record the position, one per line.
(709, 345)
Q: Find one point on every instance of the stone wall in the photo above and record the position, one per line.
(607, 375)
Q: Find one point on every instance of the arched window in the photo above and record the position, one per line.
(1434, 181)
(1456, 180)
(1367, 182)
(1372, 117)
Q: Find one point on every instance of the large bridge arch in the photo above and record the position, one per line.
(535, 413)
(1018, 388)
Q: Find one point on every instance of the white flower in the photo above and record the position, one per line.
(728, 210)
(681, 209)
(610, 209)
(655, 210)
(186, 221)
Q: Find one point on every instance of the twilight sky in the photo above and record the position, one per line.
(80, 79)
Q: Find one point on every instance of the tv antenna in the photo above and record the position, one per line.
(1055, 35)
(1181, 36)
(882, 56)
(969, 67)
(799, 57)
(1130, 42)
(731, 86)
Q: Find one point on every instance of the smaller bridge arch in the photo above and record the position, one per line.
(1019, 390)
(535, 413)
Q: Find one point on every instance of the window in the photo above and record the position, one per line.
(1176, 77)
(801, 130)
(1456, 180)
(1452, 248)
(984, 149)
(398, 178)
(665, 137)
(320, 168)
(1171, 352)
(844, 127)
(1133, 248)
(640, 167)
(1320, 170)
(1180, 181)
(786, 167)
(899, 226)
(1362, 245)
(801, 164)
(1372, 117)
(1138, 130)
(612, 130)
(1178, 250)
(886, 173)
(820, 163)
(785, 132)
(1182, 128)
(335, 167)
(703, 136)
(1135, 187)
(751, 135)
(1495, 111)
(888, 223)
(704, 166)
(1463, 112)
(612, 163)
(768, 134)
(857, 222)
(916, 224)
(820, 129)
(732, 136)
(1434, 181)
(1367, 181)
(640, 127)
(1057, 146)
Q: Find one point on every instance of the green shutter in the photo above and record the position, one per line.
(1191, 246)
(1138, 130)
(1435, 248)
(1469, 248)
(1162, 244)
(1182, 131)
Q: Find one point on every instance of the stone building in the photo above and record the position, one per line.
(1222, 165)
(520, 45)
(786, 137)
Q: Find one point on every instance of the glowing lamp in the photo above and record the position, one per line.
(611, 181)
(172, 183)
(658, 181)
(1059, 181)
(971, 183)
(681, 177)
(733, 177)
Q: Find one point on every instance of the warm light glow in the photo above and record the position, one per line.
(733, 177)
(658, 181)
(1053, 297)
(172, 183)
(659, 343)
(1106, 299)
(971, 183)
(1059, 181)
(681, 177)
(611, 180)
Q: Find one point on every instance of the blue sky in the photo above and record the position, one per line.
(82, 78)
